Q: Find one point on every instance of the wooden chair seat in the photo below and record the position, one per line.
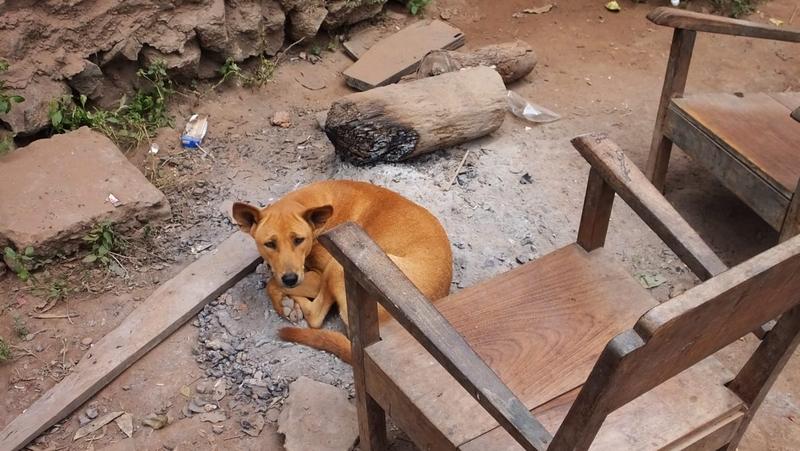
(749, 142)
(665, 418)
(540, 327)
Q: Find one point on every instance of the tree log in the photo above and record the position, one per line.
(513, 60)
(398, 122)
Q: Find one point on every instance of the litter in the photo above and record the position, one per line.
(530, 111)
(112, 199)
(194, 132)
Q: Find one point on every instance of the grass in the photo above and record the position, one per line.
(131, 123)
(5, 351)
(734, 8)
(104, 242)
(416, 7)
(21, 263)
(7, 100)
(262, 74)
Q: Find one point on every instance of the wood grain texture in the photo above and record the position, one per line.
(540, 334)
(512, 60)
(755, 128)
(362, 313)
(172, 304)
(690, 20)
(364, 262)
(791, 221)
(788, 99)
(596, 212)
(680, 56)
(631, 185)
(759, 194)
(679, 414)
(389, 59)
(398, 122)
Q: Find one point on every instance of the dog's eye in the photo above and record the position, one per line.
(270, 244)
(299, 240)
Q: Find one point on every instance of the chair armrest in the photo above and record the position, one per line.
(633, 187)
(689, 20)
(368, 265)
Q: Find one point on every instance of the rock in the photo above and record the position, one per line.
(317, 416)
(216, 416)
(239, 29)
(127, 49)
(272, 415)
(125, 424)
(218, 429)
(252, 425)
(32, 115)
(282, 119)
(305, 21)
(348, 12)
(86, 342)
(180, 64)
(60, 191)
(155, 421)
(91, 413)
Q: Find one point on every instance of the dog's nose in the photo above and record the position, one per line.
(289, 279)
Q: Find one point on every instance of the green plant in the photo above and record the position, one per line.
(416, 6)
(5, 145)
(315, 50)
(21, 263)
(20, 329)
(6, 98)
(132, 122)
(5, 351)
(265, 70)
(262, 74)
(734, 8)
(104, 242)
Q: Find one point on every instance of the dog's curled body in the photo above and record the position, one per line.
(286, 231)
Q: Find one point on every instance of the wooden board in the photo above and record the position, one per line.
(758, 193)
(674, 415)
(399, 54)
(540, 327)
(754, 127)
(790, 100)
(172, 304)
(359, 43)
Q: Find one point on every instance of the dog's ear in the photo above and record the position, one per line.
(246, 216)
(317, 217)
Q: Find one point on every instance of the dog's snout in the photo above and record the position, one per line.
(289, 279)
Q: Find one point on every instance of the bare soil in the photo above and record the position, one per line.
(518, 196)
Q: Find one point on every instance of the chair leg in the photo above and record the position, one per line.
(362, 313)
(759, 373)
(680, 56)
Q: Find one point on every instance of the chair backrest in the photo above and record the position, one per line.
(683, 331)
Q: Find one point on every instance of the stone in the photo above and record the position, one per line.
(32, 115)
(55, 190)
(282, 119)
(304, 22)
(127, 49)
(182, 64)
(241, 29)
(92, 83)
(348, 12)
(317, 416)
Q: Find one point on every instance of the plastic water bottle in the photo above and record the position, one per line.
(529, 111)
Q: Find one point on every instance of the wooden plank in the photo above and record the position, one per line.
(766, 200)
(790, 100)
(791, 222)
(364, 261)
(675, 415)
(359, 43)
(680, 55)
(400, 54)
(632, 186)
(762, 369)
(755, 128)
(541, 337)
(362, 314)
(689, 20)
(596, 214)
(172, 304)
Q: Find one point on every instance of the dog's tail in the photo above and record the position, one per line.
(327, 340)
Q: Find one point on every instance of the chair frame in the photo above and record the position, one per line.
(758, 194)
(372, 279)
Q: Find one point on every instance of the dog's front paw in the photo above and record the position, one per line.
(296, 315)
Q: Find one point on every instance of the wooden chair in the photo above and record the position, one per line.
(750, 142)
(569, 344)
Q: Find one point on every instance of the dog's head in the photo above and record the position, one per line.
(284, 235)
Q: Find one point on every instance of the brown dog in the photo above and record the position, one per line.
(286, 231)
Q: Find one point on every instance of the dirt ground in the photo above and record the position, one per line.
(601, 71)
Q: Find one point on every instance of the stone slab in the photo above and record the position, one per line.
(55, 190)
